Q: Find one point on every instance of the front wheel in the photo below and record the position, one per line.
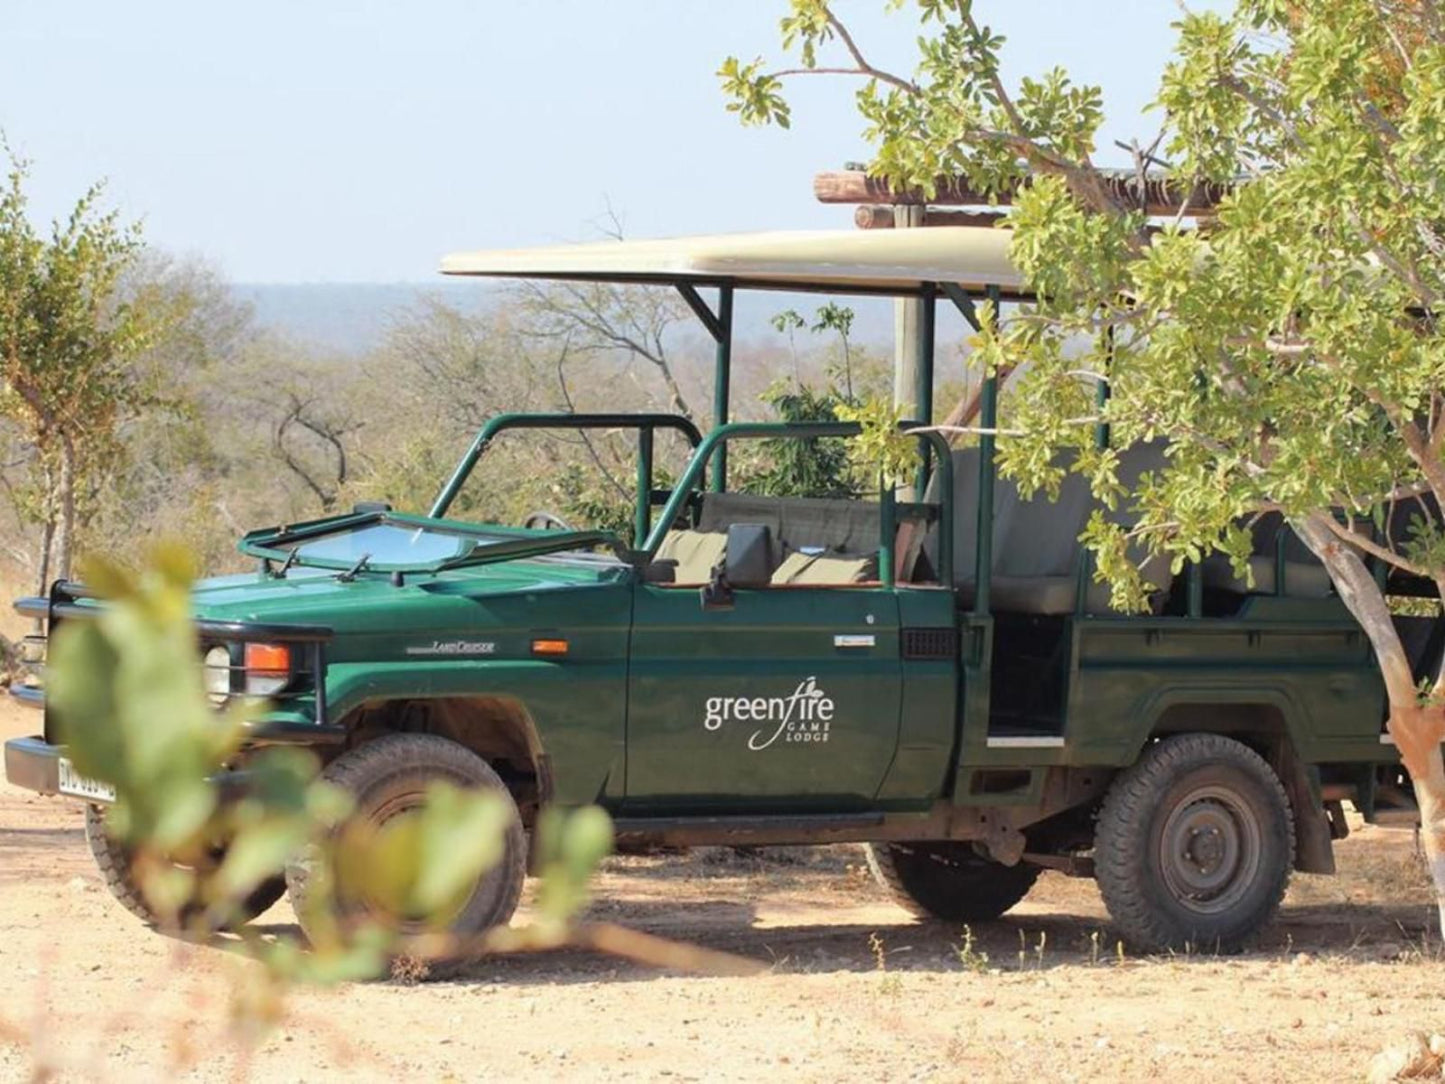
(1194, 845)
(950, 881)
(334, 883)
(117, 867)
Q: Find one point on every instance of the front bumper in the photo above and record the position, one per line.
(33, 763)
(300, 715)
(300, 719)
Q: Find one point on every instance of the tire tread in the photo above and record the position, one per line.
(981, 892)
(355, 769)
(1122, 836)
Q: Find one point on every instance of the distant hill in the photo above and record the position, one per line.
(353, 317)
(346, 317)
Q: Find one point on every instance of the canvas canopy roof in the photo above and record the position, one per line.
(864, 261)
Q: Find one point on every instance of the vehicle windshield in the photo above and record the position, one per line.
(386, 545)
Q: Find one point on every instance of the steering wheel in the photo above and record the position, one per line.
(547, 521)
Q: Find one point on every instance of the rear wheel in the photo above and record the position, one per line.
(117, 867)
(950, 881)
(1194, 845)
(388, 780)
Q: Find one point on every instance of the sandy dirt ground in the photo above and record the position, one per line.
(1351, 966)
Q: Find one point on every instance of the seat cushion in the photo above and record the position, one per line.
(697, 553)
(822, 569)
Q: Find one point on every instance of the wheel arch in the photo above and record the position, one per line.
(1270, 722)
(498, 728)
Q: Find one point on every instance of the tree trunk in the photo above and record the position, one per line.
(47, 536)
(1418, 732)
(1417, 729)
(47, 533)
(65, 516)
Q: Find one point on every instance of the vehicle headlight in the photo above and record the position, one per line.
(218, 674)
(268, 668)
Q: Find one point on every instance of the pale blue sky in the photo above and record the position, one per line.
(321, 140)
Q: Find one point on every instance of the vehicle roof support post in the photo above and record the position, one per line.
(888, 530)
(1101, 442)
(643, 522)
(722, 380)
(720, 326)
(988, 422)
(1280, 563)
(908, 338)
(1101, 392)
(923, 387)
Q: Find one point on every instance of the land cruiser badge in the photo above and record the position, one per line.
(454, 648)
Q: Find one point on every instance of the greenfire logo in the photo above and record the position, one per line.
(803, 717)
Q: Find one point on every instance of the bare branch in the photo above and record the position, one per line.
(1364, 542)
(329, 433)
(583, 433)
(967, 430)
(861, 66)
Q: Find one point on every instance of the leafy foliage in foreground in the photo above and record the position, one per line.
(127, 690)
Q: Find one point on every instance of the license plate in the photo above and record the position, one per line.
(80, 786)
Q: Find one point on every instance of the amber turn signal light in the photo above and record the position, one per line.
(549, 647)
(270, 660)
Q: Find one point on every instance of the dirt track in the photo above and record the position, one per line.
(1351, 965)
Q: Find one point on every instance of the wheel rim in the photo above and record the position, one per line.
(385, 842)
(1210, 850)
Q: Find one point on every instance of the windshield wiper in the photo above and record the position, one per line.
(350, 573)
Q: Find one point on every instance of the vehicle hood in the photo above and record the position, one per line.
(317, 596)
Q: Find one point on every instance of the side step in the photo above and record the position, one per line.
(774, 828)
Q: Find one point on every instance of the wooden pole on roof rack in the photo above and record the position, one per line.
(1157, 195)
(881, 217)
(907, 311)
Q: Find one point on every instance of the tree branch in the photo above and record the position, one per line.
(1364, 542)
(1362, 597)
(583, 433)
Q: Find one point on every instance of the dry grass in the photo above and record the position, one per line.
(853, 988)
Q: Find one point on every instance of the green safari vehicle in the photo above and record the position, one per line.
(934, 673)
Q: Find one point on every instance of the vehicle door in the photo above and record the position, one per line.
(785, 699)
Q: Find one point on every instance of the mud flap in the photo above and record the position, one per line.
(1314, 850)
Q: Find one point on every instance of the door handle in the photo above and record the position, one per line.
(858, 640)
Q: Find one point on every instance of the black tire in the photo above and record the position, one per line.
(386, 777)
(949, 881)
(1194, 845)
(115, 865)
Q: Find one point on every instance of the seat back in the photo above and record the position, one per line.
(1036, 549)
(820, 524)
(1304, 575)
(1039, 536)
(696, 554)
(965, 516)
